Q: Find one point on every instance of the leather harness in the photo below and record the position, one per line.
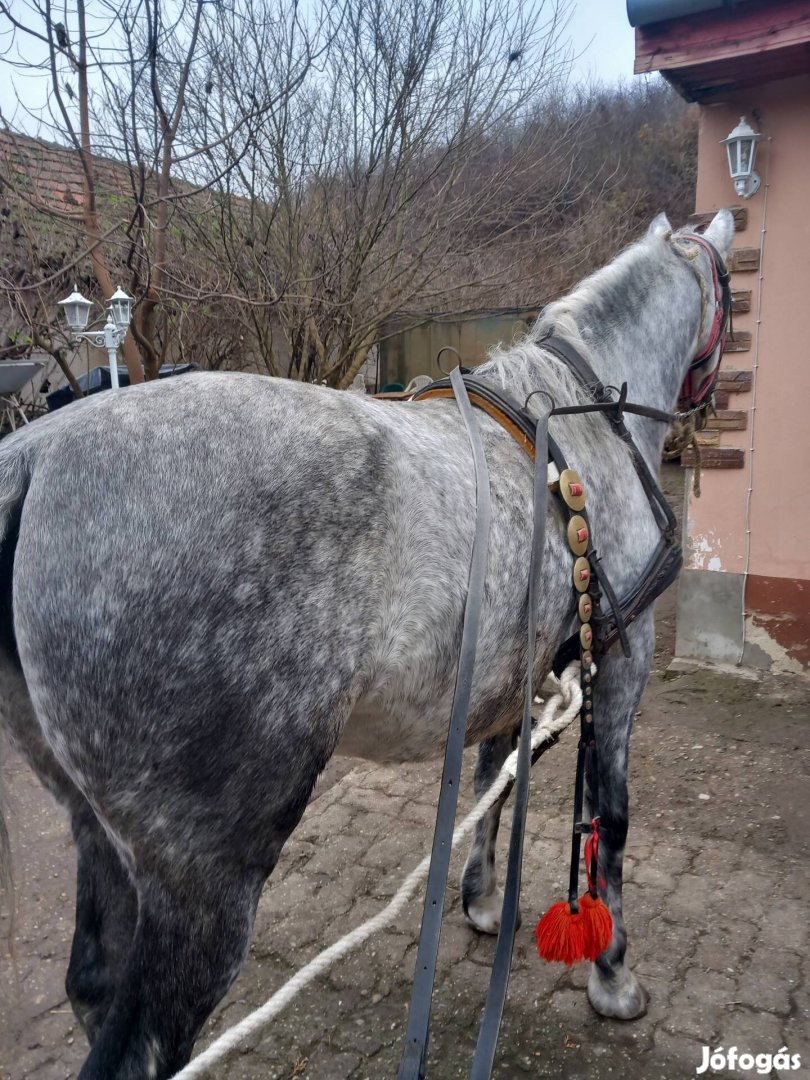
(597, 633)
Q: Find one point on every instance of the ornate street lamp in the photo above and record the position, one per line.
(121, 309)
(741, 147)
(119, 312)
(77, 310)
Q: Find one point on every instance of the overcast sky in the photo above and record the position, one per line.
(600, 35)
(603, 38)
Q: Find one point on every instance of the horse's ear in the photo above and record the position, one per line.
(660, 227)
(721, 231)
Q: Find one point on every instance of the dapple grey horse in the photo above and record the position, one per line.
(209, 586)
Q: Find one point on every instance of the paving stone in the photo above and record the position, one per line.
(674, 1055)
(769, 979)
(726, 947)
(751, 1031)
(296, 892)
(699, 1008)
(692, 902)
(323, 826)
(781, 929)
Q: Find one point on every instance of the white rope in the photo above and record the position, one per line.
(565, 695)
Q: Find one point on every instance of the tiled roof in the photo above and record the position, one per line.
(51, 175)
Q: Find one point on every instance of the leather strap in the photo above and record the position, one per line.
(497, 404)
(414, 1058)
(499, 978)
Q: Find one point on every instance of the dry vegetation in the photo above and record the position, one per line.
(272, 190)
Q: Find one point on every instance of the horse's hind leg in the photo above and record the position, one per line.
(105, 901)
(613, 989)
(106, 912)
(200, 866)
(191, 938)
(480, 894)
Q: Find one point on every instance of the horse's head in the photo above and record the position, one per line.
(706, 255)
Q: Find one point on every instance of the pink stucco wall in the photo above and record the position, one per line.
(780, 495)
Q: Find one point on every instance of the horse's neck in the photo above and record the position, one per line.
(653, 380)
(639, 328)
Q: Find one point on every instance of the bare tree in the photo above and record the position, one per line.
(361, 194)
(119, 84)
(273, 185)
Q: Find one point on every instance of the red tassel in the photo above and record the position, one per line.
(592, 858)
(596, 917)
(560, 934)
(598, 925)
(571, 936)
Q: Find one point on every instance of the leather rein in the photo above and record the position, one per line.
(596, 633)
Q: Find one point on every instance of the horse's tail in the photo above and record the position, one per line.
(15, 477)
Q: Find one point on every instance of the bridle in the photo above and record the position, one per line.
(698, 384)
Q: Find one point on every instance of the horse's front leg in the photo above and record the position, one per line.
(613, 989)
(480, 895)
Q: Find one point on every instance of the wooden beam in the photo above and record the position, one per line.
(714, 458)
(711, 37)
(709, 83)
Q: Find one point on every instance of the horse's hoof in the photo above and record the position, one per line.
(485, 912)
(621, 997)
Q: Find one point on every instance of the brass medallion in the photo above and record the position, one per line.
(572, 489)
(578, 535)
(582, 575)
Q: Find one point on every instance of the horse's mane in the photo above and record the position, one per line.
(606, 288)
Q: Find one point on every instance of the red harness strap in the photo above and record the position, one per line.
(703, 371)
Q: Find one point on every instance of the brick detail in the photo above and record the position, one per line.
(700, 221)
(715, 458)
(740, 301)
(735, 382)
(743, 260)
(739, 341)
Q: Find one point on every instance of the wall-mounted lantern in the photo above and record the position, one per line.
(741, 147)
